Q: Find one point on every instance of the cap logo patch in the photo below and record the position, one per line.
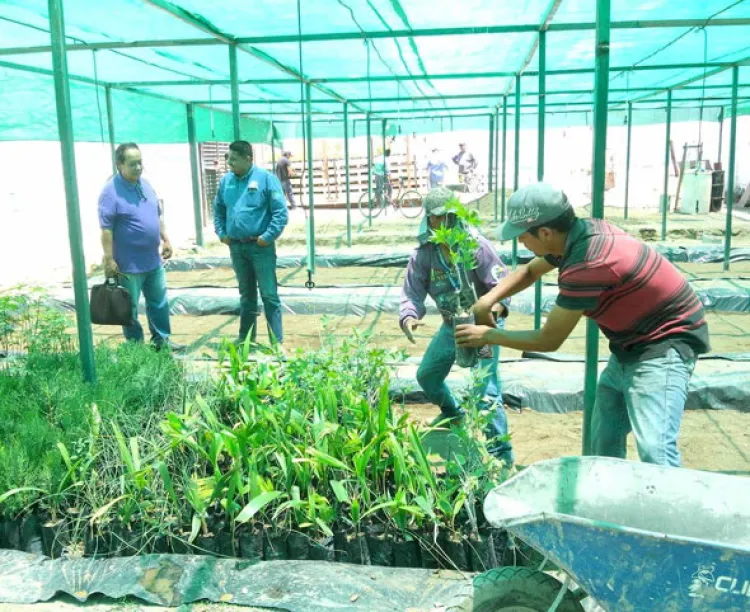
(524, 214)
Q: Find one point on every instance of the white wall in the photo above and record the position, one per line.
(34, 246)
(33, 224)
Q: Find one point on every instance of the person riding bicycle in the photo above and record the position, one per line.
(465, 161)
(382, 173)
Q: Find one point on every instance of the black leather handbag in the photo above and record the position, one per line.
(111, 304)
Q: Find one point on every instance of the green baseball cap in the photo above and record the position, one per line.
(532, 206)
(435, 202)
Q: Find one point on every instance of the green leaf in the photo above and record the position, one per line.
(384, 406)
(340, 491)
(421, 456)
(376, 507)
(326, 459)
(17, 490)
(100, 512)
(196, 527)
(125, 455)
(324, 527)
(66, 456)
(135, 453)
(256, 505)
(426, 507)
(168, 485)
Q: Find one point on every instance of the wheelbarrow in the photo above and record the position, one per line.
(632, 537)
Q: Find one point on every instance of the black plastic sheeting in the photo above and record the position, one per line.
(399, 258)
(716, 295)
(171, 580)
(542, 391)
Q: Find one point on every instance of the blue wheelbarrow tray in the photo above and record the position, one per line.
(634, 536)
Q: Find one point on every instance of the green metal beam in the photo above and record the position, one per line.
(384, 34)
(346, 177)
(731, 168)
(111, 127)
(382, 127)
(233, 76)
(310, 190)
(492, 75)
(195, 178)
(516, 159)
(667, 152)
(717, 70)
(627, 158)
(598, 173)
(197, 81)
(485, 108)
(505, 151)
(478, 95)
(67, 146)
(496, 150)
(273, 149)
(369, 169)
(491, 161)
(542, 50)
(721, 135)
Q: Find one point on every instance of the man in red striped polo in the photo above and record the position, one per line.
(652, 317)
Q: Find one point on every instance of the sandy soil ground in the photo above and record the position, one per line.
(714, 440)
(729, 332)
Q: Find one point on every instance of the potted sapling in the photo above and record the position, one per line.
(458, 244)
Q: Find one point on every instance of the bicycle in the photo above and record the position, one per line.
(408, 202)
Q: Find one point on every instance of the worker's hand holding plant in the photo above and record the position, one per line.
(473, 336)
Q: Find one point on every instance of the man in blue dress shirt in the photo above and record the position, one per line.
(249, 215)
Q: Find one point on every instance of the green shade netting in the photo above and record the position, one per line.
(27, 109)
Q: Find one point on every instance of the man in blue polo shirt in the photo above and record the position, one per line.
(249, 215)
(132, 232)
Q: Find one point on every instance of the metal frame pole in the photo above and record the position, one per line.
(111, 127)
(627, 159)
(665, 193)
(310, 186)
(598, 173)
(491, 161)
(233, 77)
(67, 146)
(382, 135)
(516, 158)
(346, 177)
(369, 170)
(273, 148)
(505, 151)
(540, 155)
(385, 188)
(195, 175)
(730, 169)
(496, 149)
(721, 134)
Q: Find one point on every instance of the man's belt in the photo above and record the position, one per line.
(246, 240)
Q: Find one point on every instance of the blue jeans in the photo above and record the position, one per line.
(289, 193)
(437, 363)
(647, 398)
(255, 268)
(154, 287)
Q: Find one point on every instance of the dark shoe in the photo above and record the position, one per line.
(444, 420)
